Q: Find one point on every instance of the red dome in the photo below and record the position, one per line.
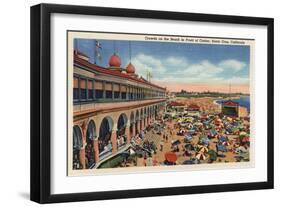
(130, 68)
(114, 61)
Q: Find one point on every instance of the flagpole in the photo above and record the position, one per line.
(95, 52)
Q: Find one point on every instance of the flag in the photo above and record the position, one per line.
(98, 45)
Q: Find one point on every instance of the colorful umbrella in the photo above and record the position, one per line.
(201, 156)
(203, 149)
(212, 155)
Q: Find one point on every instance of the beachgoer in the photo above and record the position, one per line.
(161, 145)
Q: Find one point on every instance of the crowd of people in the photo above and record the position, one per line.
(207, 138)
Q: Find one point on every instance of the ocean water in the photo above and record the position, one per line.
(243, 101)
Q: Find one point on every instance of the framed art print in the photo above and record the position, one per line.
(132, 103)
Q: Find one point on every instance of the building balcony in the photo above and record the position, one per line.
(80, 108)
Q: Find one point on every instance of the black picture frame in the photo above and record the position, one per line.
(41, 96)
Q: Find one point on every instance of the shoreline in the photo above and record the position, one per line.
(210, 104)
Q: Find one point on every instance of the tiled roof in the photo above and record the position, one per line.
(107, 71)
(230, 103)
(193, 106)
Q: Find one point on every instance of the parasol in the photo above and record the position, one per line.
(176, 142)
(243, 134)
(201, 156)
(188, 162)
(203, 149)
(204, 140)
(212, 155)
(189, 147)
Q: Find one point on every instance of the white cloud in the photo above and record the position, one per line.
(176, 61)
(174, 69)
(203, 68)
(232, 64)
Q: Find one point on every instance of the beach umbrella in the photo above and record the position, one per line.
(198, 124)
(188, 138)
(188, 119)
(203, 149)
(204, 140)
(246, 139)
(189, 147)
(201, 156)
(243, 134)
(241, 150)
(229, 119)
(222, 139)
(176, 142)
(171, 157)
(212, 155)
(221, 148)
(188, 162)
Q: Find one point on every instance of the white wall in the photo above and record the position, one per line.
(14, 85)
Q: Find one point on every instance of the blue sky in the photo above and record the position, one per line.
(177, 62)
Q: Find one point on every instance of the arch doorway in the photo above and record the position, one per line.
(121, 128)
(77, 145)
(132, 121)
(136, 122)
(104, 140)
(141, 119)
(89, 149)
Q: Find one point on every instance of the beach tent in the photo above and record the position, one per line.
(201, 156)
(203, 149)
(171, 157)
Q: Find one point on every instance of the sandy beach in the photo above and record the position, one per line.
(172, 131)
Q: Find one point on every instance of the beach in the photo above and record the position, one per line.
(205, 137)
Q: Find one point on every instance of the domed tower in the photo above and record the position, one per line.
(130, 69)
(115, 62)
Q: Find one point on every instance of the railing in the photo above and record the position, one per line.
(108, 100)
(105, 153)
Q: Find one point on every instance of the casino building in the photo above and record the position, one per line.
(110, 106)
